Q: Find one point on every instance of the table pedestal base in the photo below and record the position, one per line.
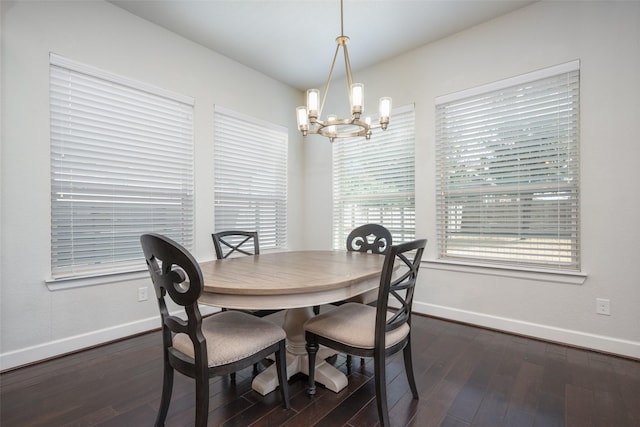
(297, 359)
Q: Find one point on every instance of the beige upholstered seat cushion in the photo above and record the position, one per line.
(231, 336)
(353, 324)
(366, 298)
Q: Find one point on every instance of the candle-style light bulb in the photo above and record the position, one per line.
(357, 99)
(385, 112)
(313, 104)
(303, 120)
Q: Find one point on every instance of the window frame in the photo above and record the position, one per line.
(384, 146)
(251, 183)
(105, 178)
(448, 187)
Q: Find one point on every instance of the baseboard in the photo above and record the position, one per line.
(566, 336)
(48, 350)
(51, 349)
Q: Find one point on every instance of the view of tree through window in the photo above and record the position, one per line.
(508, 173)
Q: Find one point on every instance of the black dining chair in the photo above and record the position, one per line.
(200, 348)
(373, 238)
(377, 332)
(226, 243)
(238, 242)
(231, 243)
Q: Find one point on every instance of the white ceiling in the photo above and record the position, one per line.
(294, 41)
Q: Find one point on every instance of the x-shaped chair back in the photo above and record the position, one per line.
(228, 242)
(398, 281)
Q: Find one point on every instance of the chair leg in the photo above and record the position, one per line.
(312, 350)
(167, 388)
(381, 388)
(349, 359)
(202, 398)
(281, 366)
(408, 368)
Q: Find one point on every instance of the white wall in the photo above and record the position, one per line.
(605, 37)
(36, 322)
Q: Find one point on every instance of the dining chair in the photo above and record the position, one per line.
(378, 332)
(373, 238)
(203, 348)
(226, 243)
(238, 242)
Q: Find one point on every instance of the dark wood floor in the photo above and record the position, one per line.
(466, 376)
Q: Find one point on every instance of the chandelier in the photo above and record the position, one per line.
(309, 116)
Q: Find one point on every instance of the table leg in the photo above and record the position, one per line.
(297, 360)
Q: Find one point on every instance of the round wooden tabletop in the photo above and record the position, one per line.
(289, 279)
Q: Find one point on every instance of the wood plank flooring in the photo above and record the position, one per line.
(466, 376)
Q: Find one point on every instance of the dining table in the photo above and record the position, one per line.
(296, 281)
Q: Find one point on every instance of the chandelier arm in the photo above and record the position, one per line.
(347, 66)
(326, 86)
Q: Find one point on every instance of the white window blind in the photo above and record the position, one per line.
(250, 170)
(121, 166)
(508, 172)
(374, 181)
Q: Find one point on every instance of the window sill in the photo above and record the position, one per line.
(59, 284)
(566, 277)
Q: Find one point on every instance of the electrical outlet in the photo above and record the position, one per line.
(602, 306)
(143, 293)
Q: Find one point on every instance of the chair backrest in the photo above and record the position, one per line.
(369, 237)
(398, 283)
(175, 271)
(228, 242)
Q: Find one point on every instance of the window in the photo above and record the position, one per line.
(373, 181)
(121, 165)
(250, 169)
(508, 171)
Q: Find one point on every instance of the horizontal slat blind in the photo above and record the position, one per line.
(508, 174)
(121, 165)
(250, 169)
(374, 181)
